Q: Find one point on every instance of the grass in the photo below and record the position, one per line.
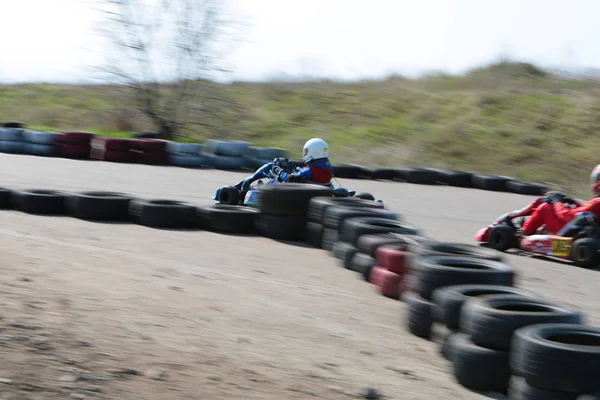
(506, 119)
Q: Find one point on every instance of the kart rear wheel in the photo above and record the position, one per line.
(585, 252)
(229, 195)
(502, 238)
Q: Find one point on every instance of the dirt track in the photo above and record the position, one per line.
(222, 316)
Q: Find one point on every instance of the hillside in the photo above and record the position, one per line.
(505, 119)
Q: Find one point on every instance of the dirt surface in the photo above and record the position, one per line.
(122, 311)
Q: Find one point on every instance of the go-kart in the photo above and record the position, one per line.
(578, 241)
(246, 192)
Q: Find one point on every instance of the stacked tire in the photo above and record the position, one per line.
(111, 149)
(148, 151)
(74, 145)
(436, 265)
(186, 155)
(481, 352)
(40, 143)
(284, 209)
(11, 140)
(228, 155)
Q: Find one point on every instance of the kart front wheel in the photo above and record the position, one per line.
(502, 238)
(229, 195)
(585, 252)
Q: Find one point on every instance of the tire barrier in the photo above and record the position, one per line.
(228, 155)
(495, 336)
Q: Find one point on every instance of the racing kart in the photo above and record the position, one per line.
(246, 192)
(578, 241)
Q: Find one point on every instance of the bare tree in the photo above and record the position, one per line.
(165, 52)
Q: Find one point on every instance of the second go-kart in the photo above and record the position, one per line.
(578, 241)
(246, 192)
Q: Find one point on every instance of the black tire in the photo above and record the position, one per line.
(381, 174)
(362, 263)
(226, 218)
(520, 389)
(447, 346)
(344, 252)
(478, 368)
(289, 198)
(585, 252)
(491, 182)
(40, 201)
(436, 248)
(491, 321)
(353, 228)
(5, 196)
(502, 238)
(449, 300)
(456, 178)
(335, 216)
(230, 195)
(526, 188)
(159, 213)
(348, 171)
(283, 227)
(318, 205)
(314, 234)
(369, 244)
(99, 206)
(418, 315)
(440, 271)
(330, 236)
(559, 357)
(421, 176)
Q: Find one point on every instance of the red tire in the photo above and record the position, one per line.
(390, 284)
(111, 155)
(393, 258)
(148, 145)
(74, 151)
(111, 144)
(74, 138)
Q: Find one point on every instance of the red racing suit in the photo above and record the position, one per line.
(556, 216)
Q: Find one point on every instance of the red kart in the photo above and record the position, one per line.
(578, 241)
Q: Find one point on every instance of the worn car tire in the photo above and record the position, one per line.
(225, 218)
(449, 300)
(40, 201)
(314, 234)
(439, 271)
(363, 264)
(99, 206)
(344, 252)
(353, 228)
(418, 314)
(559, 357)
(283, 227)
(318, 205)
(478, 368)
(520, 389)
(159, 213)
(289, 198)
(333, 217)
(491, 320)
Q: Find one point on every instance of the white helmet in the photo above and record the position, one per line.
(595, 180)
(314, 149)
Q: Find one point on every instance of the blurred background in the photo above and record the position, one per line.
(500, 87)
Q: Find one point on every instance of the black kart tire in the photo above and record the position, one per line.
(224, 218)
(289, 198)
(159, 213)
(40, 201)
(99, 206)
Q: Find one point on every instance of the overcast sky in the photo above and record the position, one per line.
(54, 40)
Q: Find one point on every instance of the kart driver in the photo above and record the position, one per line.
(317, 169)
(315, 155)
(551, 211)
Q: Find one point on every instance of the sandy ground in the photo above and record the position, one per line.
(121, 311)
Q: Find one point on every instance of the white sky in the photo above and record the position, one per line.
(54, 40)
